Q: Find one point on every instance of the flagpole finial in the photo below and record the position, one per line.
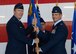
(37, 2)
(57, 3)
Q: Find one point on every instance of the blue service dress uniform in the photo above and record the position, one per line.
(17, 37)
(42, 40)
(56, 44)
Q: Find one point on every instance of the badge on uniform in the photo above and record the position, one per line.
(54, 30)
(20, 27)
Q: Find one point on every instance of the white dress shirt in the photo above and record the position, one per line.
(57, 22)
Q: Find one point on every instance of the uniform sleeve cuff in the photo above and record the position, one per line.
(33, 42)
(41, 50)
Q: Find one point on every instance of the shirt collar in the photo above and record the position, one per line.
(57, 22)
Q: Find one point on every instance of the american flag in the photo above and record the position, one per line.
(73, 45)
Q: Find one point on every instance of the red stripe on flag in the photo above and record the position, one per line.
(3, 33)
(5, 2)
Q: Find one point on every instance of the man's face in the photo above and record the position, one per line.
(56, 16)
(18, 13)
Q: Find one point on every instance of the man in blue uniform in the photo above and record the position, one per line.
(58, 35)
(17, 34)
(42, 39)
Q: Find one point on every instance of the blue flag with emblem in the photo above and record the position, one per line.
(73, 44)
(31, 11)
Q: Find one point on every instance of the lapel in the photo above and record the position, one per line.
(55, 27)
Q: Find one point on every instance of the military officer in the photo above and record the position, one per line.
(17, 34)
(58, 35)
(43, 39)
